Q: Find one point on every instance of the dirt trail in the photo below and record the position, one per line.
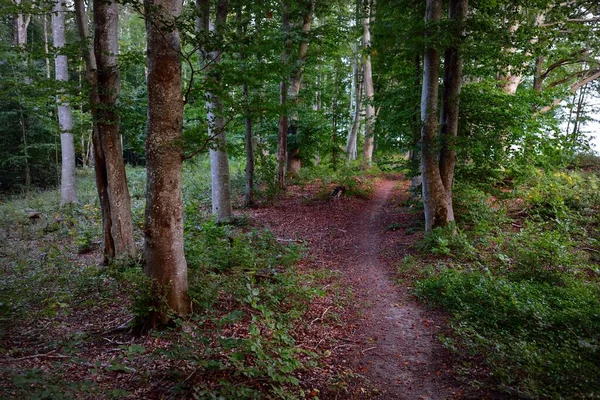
(392, 338)
(397, 336)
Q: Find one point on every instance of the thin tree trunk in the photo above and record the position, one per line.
(106, 49)
(351, 144)
(108, 249)
(47, 59)
(21, 23)
(283, 117)
(163, 244)
(369, 88)
(249, 187)
(249, 190)
(437, 210)
(219, 163)
(68, 189)
(294, 162)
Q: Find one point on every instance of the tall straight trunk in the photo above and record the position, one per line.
(415, 150)
(294, 162)
(106, 49)
(108, 249)
(249, 187)
(163, 244)
(283, 117)
(369, 88)
(351, 144)
(450, 100)
(249, 190)
(46, 52)
(219, 163)
(21, 22)
(68, 189)
(438, 210)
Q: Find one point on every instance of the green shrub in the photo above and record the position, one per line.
(536, 338)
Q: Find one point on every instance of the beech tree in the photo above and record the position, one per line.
(68, 189)
(368, 84)
(438, 154)
(102, 75)
(163, 233)
(219, 163)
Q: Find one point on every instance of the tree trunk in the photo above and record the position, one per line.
(163, 244)
(438, 208)
(68, 189)
(249, 190)
(21, 23)
(113, 244)
(283, 117)
(450, 100)
(219, 163)
(369, 88)
(108, 249)
(106, 48)
(294, 160)
(512, 81)
(249, 187)
(351, 144)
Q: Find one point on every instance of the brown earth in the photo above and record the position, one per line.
(391, 338)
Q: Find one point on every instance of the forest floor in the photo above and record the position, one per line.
(374, 340)
(391, 338)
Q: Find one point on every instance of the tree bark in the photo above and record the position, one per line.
(283, 117)
(219, 163)
(294, 163)
(68, 189)
(21, 23)
(108, 249)
(438, 210)
(351, 145)
(369, 88)
(450, 100)
(163, 245)
(106, 48)
(242, 28)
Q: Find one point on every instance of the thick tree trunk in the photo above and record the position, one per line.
(438, 208)
(369, 88)
(283, 117)
(219, 163)
(68, 189)
(163, 245)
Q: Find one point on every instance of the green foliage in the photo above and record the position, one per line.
(536, 338)
(521, 285)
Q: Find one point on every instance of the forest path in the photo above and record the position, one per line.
(398, 350)
(392, 338)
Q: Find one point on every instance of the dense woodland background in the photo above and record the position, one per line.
(140, 131)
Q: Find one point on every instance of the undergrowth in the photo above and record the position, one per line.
(520, 280)
(63, 318)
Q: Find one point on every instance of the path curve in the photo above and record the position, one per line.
(389, 338)
(398, 350)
